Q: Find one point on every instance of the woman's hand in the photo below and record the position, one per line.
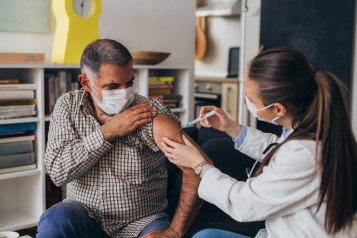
(220, 121)
(182, 155)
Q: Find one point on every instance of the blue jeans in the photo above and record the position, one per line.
(70, 219)
(214, 233)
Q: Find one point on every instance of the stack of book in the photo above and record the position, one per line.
(17, 100)
(161, 88)
(17, 153)
(57, 84)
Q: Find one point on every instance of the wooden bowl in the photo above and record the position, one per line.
(148, 57)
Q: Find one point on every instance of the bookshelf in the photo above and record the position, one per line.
(22, 194)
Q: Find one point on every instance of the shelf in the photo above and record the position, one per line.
(77, 66)
(16, 220)
(19, 120)
(177, 109)
(218, 80)
(20, 174)
(161, 67)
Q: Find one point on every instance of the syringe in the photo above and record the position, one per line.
(200, 119)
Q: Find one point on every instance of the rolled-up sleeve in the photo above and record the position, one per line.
(68, 156)
(241, 137)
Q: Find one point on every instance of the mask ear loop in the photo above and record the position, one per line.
(94, 85)
(266, 108)
(275, 119)
(261, 109)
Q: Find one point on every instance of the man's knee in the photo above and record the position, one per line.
(64, 217)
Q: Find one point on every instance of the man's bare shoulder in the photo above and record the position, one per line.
(165, 126)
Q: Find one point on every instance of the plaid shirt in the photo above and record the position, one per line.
(122, 184)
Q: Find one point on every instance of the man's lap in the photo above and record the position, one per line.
(70, 219)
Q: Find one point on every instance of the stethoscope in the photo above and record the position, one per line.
(250, 171)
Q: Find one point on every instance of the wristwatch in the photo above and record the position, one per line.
(198, 168)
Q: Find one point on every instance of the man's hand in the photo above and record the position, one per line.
(128, 120)
(168, 233)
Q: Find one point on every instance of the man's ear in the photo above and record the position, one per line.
(280, 109)
(85, 82)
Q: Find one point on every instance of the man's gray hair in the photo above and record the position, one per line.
(102, 52)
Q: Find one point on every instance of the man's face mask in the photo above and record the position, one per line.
(254, 111)
(115, 101)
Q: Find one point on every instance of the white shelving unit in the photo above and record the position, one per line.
(22, 194)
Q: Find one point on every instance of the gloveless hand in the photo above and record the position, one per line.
(128, 120)
(182, 155)
(220, 121)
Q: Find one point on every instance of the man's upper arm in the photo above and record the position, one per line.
(165, 126)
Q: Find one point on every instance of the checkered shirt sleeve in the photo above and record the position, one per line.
(68, 156)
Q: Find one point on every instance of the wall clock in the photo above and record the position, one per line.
(76, 27)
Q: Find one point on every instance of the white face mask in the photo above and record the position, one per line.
(254, 111)
(115, 101)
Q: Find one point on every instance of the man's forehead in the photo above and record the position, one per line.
(116, 74)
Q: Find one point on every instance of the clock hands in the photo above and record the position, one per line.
(82, 5)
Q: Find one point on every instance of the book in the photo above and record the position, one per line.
(13, 160)
(47, 96)
(153, 79)
(18, 168)
(171, 105)
(17, 111)
(17, 127)
(168, 100)
(161, 86)
(17, 108)
(57, 88)
(165, 97)
(23, 94)
(68, 82)
(14, 102)
(159, 92)
(9, 81)
(160, 83)
(17, 139)
(15, 114)
(166, 79)
(63, 82)
(24, 86)
(22, 58)
(52, 93)
(12, 134)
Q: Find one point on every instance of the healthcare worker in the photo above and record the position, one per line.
(306, 185)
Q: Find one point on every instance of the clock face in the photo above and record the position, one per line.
(83, 8)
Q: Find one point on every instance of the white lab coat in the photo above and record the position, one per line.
(285, 194)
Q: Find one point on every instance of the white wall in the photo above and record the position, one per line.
(224, 33)
(155, 25)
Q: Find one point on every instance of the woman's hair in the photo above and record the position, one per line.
(285, 76)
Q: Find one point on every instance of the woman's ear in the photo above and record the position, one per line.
(84, 82)
(280, 109)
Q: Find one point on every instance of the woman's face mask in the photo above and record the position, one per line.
(115, 101)
(254, 111)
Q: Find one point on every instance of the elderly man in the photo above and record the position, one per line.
(104, 143)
